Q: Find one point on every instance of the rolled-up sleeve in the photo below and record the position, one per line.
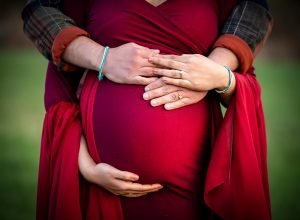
(245, 30)
(250, 21)
(50, 30)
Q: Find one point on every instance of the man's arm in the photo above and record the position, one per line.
(51, 31)
(244, 33)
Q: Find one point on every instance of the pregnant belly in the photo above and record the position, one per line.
(159, 145)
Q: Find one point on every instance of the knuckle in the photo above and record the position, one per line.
(132, 44)
(136, 55)
(164, 80)
(140, 80)
(175, 73)
(173, 97)
(170, 63)
(138, 52)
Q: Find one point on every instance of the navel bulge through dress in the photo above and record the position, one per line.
(167, 147)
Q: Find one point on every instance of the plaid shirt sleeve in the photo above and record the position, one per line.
(43, 21)
(251, 21)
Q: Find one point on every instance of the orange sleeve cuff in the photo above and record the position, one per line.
(61, 41)
(239, 47)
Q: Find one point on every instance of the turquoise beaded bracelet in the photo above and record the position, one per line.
(101, 74)
(229, 82)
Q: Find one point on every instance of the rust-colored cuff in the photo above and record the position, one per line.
(61, 41)
(239, 47)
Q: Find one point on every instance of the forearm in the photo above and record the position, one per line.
(84, 52)
(225, 57)
(85, 162)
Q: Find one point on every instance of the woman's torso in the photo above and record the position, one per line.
(169, 147)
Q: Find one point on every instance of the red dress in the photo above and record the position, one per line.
(167, 147)
(175, 148)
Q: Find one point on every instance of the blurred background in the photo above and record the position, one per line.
(22, 75)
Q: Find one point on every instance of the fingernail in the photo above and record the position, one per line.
(153, 102)
(134, 178)
(167, 106)
(147, 88)
(145, 95)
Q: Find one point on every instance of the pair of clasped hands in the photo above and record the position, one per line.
(169, 80)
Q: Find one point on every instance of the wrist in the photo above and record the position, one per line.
(96, 56)
(222, 81)
(90, 173)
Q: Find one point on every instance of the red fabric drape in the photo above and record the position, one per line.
(58, 182)
(62, 192)
(237, 179)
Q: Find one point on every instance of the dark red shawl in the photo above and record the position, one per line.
(237, 180)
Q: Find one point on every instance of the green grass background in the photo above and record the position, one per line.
(22, 74)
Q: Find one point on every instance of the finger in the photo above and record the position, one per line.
(159, 92)
(132, 195)
(172, 97)
(176, 82)
(124, 175)
(154, 85)
(172, 73)
(144, 62)
(169, 63)
(122, 188)
(146, 52)
(181, 58)
(178, 104)
(137, 187)
(146, 71)
(184, 58)
(140, 80)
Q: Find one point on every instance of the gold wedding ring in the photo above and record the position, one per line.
(180, 97)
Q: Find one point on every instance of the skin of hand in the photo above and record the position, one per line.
(161, 93)
(127, 64)
(135, 68)
(199, 73)
(118, 182)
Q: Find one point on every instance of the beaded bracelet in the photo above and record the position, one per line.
(101, 74)
(229, 82)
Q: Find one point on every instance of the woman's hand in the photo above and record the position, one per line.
(116, 181)
(129, 64)
(172, 97)
(119, 182)
(191, 71)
